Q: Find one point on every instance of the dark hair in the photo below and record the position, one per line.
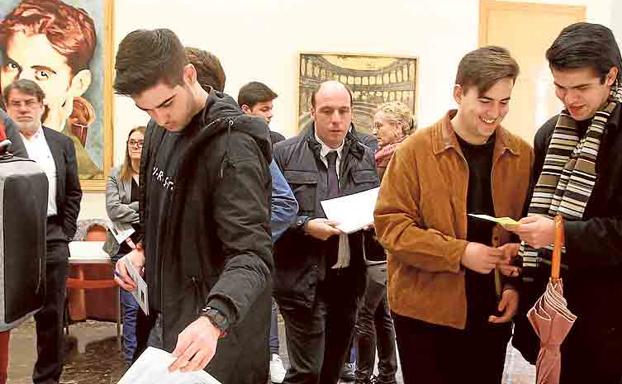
(255, 92)
(582, 45)
(70, 30)
(209, 69)
(483, 67)
(319, 86)
(25, 86)
(146, 58)
(126, 168)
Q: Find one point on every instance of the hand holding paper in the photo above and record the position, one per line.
(140, 293)
(322, 229)
(121, 275)
(537, 231)
(196, 346)
(353, 212)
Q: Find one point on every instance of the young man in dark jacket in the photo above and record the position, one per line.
(320, 271)
(578, 159)
(205, 205)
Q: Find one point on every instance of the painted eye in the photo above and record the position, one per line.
(42, 75)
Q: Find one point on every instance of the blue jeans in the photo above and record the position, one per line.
(274, 330)
(130, 310)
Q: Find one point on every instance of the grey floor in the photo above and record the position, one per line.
(95, 359)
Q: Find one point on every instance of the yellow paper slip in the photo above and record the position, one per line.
(499, 220)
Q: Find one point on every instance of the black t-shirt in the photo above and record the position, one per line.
(480, 288)
(161, 184)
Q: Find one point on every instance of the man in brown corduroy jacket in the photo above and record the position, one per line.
(451, 305)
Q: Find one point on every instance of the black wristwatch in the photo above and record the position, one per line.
(301, 221)
(216, 318)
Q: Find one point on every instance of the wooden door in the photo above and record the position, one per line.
(527, 30)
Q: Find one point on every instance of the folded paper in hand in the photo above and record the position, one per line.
(140, 293)
(504, 221)
(152, 367)
(353, 212)
(121, 231)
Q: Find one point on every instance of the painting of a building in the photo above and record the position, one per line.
(372, 79)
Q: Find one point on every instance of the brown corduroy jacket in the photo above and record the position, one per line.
(421, 218)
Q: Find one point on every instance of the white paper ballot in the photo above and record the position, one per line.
(140, 293)
(121, 231)
(352, 212)
(152, 367)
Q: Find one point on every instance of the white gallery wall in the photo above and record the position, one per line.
(261, 39)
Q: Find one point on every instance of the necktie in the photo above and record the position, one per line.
(333, 181)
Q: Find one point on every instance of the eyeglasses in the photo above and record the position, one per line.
(135, 143)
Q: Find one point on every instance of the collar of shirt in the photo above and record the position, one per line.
(37, 136)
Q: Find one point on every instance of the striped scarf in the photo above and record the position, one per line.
(569, 172)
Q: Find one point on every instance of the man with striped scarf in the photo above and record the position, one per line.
(578, 174)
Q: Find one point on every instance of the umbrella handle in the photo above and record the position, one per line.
(557, 247)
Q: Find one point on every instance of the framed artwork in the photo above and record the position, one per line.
(372, 79)
(66, 47)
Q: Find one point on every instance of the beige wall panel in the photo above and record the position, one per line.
(527, 30)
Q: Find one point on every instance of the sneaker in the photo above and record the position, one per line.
(277, 370)
(347, 373)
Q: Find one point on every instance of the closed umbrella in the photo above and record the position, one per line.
(551, 318)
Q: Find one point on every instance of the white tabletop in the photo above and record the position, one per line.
(87, 252)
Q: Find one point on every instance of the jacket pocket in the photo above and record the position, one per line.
(304, 186)
(365, 176)
(296, 288)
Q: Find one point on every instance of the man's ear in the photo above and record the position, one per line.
(190, 74)
(458, 93)
(245, 108)
(612, 76)
(80, 83)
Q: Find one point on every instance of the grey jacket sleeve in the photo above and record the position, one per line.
(116, 209)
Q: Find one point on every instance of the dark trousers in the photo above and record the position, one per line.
(49, 320)
(434, 354)
(318, 337)
(374, 328)
(592, 353)
(144, 325)
(274, 329)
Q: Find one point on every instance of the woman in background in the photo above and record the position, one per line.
(393, 122)
(122, 207)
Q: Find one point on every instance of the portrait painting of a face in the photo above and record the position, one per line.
(62, 46)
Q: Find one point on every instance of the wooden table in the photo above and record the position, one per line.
(91, 269)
